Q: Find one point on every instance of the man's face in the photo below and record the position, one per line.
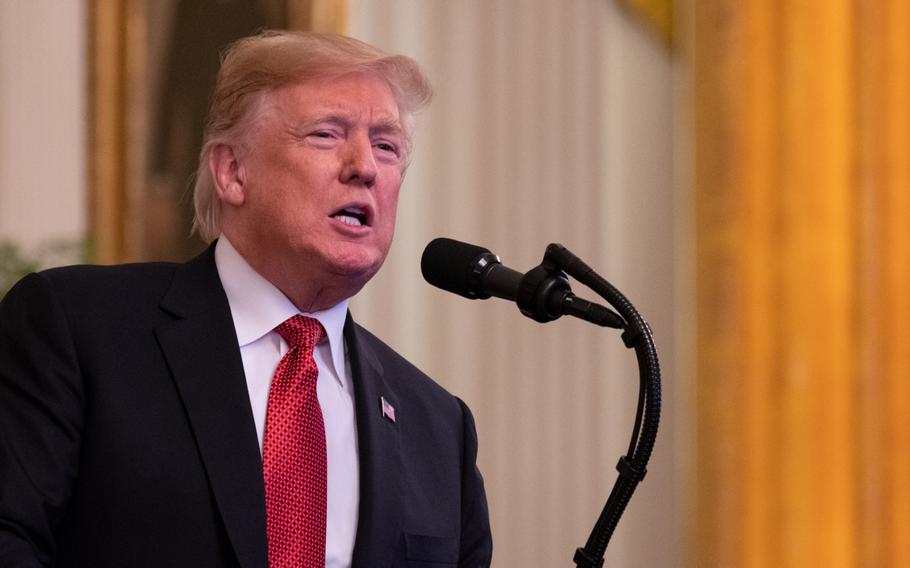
(321, 174)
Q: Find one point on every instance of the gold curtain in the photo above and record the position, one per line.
(802, 176)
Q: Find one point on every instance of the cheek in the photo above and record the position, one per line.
(390, 209)
(390, 197)
(289, 195)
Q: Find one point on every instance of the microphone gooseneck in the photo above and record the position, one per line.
(543, 294)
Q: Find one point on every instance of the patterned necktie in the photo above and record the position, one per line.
(293, 453)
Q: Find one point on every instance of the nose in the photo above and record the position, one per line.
(359, 164)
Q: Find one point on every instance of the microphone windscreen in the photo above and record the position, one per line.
(448, 264)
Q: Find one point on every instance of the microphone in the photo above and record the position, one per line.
(543, 294)
(468, 270)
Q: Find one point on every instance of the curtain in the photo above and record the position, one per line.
(801, 136)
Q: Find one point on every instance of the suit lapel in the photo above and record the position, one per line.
(200, 347)
(381, 493)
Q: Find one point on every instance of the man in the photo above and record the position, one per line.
(166, 415)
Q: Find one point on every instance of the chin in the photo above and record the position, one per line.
(358, 266)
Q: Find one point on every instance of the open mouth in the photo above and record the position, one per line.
(354, 216)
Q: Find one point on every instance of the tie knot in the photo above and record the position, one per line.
(301, 331)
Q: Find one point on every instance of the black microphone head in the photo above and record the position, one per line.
(455, 266)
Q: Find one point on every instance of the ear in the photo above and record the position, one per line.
(227, 174)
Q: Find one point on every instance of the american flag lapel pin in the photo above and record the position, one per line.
(388, 410)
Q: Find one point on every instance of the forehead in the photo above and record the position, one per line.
(355, 96)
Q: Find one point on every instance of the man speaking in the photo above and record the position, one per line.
(228, 411)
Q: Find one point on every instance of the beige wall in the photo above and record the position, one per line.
(552, 122)
(42, 120)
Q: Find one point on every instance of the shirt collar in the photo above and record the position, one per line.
(258, 307)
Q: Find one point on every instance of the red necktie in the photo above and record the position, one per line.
(293, 453)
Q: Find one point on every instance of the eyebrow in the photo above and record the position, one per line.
(383, 126)
(388, 126)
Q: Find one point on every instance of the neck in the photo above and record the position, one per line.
(306, 284)
(314, 300)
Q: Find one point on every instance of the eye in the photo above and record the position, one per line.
(324, 138)
(386, 147)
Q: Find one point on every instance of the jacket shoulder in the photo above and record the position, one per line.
(113, 276)
(86, 292)
(397, 368)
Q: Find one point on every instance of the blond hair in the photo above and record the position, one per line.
(255, 65)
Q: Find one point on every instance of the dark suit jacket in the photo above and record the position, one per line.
(127, 439)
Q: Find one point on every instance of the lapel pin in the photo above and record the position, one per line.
(388, 410)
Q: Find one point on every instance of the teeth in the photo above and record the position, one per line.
(348, 220)
(353, 216)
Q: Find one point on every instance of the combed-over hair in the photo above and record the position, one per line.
(255, 65)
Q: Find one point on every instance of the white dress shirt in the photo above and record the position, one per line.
(257, 308)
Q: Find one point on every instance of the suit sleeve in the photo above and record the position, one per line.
(476, 539)
(40, 421)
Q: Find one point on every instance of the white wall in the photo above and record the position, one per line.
(42, 120)
(552, 122)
